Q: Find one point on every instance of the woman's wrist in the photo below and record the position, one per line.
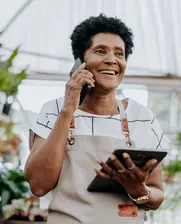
(138, 191)
(141, 199)
(67, 112)
(154, 197)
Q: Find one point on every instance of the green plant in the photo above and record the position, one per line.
(173, 167)
(12, 186)
(9, 81)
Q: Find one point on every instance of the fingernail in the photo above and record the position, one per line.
(125, 155)
(95, 171)
(155, 163)
(99, 162)
(112, 157)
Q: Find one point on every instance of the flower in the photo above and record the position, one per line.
(25, 208)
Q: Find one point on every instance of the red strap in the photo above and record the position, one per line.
(125, 125)
(72, 124)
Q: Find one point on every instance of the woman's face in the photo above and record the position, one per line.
(105, 59)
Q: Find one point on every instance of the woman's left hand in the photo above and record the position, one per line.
(132, 178)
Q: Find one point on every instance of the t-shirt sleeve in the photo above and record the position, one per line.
(160, 139)
(41, 126)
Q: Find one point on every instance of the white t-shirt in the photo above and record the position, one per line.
(143, 126)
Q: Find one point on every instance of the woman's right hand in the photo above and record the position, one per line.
(74, 86)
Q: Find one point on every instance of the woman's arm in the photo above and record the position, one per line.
(155, 183)
(44, 164)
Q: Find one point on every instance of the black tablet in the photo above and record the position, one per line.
(139, 157)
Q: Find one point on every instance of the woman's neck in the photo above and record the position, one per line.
(100, 104)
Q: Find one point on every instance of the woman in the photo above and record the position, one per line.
(71, 141)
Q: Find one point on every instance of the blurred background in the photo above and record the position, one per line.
(35, 60)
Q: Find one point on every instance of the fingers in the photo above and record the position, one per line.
(80, 68)
(126, 174)
(80, 81)
(84, 81)
(81, 77)
(129, 170)
(86, 72)
(133, 169)
(107, 168)
(119, 166)
(103, 175)
(79, 73)
(128, 161)
(85, 78)
(149, 166)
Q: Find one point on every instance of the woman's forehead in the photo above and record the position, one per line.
(107, 39)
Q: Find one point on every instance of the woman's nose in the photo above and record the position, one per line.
(110, 59)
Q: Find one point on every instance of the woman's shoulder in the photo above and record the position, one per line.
(53, 106)
(136, 110)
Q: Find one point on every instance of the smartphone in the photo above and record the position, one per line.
(86, 87)
(139, 157)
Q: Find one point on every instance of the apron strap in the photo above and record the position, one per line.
(124, 124)
(121, 109)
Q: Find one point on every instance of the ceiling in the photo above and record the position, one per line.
(42, 29)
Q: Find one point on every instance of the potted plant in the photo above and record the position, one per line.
(12, 186)
(173, 168)
(17, 204)
(25, 210)
(9, 140)
(10, 81)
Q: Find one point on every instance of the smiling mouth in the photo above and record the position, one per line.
(108, 72)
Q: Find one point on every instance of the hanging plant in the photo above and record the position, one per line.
(9, 81)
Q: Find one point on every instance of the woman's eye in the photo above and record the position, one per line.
(119, 54)
(99, 51)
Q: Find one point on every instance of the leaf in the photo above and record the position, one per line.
(21, 75)
(3, 78)
(173, 167)
(5, 195)
(9, 181)
(10, 86)
(12, 186)
(12, 57)
(9, 82)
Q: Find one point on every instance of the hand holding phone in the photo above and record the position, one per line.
(79, 78)
(86, 87)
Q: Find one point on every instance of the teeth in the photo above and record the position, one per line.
(108, 72)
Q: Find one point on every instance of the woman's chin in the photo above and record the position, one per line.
(106, 87)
